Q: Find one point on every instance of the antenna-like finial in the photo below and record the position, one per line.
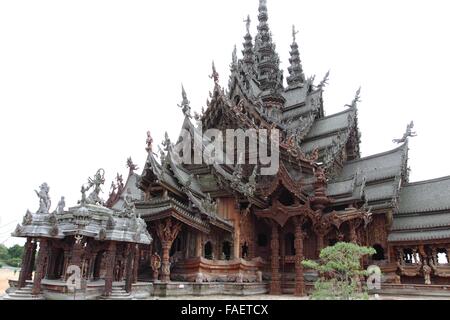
(247, 23)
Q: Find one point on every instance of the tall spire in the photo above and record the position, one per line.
(249, 56)
(268, 63)
(296, 75)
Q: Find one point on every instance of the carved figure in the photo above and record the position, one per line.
(44, 198)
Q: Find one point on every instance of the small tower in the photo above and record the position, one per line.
(296, 75)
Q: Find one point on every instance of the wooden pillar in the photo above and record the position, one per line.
(299, 276)
(352, 233)
(40, 267)
(26, 263)
(32, 262)
(198, 245)
(275, 284)
(110, 264)
(167, 232)
(137, 257)
(130, 269)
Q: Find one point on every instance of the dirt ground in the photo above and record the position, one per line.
(5, 275)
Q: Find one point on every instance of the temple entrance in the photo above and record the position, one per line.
(379, 255)
(208, 251)
(226, 250)
(289, 244)
(98, 265)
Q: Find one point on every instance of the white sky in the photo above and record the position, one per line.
(81, 82)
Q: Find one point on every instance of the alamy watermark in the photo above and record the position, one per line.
(215, 146)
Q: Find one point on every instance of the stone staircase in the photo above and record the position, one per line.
(118, 293)
(23, 294)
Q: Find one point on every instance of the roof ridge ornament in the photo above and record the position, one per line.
(130, 165)
(44, 199)
(356, 99)
(324, 81)
(185, 103)
(407, 134)
(149, 142)
(215, 74)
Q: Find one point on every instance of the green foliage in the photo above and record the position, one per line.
(3, 252)
(14, 262)
(15, 251)
(11, 256)
(339, 269)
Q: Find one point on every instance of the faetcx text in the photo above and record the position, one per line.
(246, 309)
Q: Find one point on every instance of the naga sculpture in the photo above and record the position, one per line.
(407, 134)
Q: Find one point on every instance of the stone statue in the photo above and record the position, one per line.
(61, 206)
(95, 183)
(44, 198)
(155, 264)
(129, 206)
(427, 273)
(408, 133)
(149, 142)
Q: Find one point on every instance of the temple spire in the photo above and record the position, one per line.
(249, 56)
(268, 63)
(296, 75)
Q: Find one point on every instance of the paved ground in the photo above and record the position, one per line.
(5, 275)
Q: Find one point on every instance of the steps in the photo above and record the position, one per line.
(118, 293)
(23, 294)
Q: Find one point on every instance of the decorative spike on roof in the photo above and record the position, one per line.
(215, 74)
(296, 75)
(269, 74)
(185, 103)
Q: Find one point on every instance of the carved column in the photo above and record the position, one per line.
(130, 268)
(32, 262)
(26, 263)
(352, 232)
(167, 232)
(275, 284)
(110, 264)
(137, 256)
(198, 245)
(40, 267)
(299, 276)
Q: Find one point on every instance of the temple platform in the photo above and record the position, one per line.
(174, 289)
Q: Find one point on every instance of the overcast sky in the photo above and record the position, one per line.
(81, 82)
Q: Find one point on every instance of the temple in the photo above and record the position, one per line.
(228, 224)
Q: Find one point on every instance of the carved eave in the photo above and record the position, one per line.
(160, 209)
(282, 178)
(353, 215)
(281, 214)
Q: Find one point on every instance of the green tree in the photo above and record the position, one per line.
(3, 252)
(339, 272)
(15, 251)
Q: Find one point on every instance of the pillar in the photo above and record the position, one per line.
(137, 257)
(26, 263)
(110, 264)
(130, 268)
(167, 232)
(40, 267)
(299, 277)
(275, 284)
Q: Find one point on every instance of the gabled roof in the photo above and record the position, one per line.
(378, 166)
(424, 211)
(330, 124)
(425, 196)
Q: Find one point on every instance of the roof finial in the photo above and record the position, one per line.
(247, 23)
(215, 74)
(185, 107)
(234, 56)
(294, 33)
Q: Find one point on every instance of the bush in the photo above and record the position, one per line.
(340, 270)
(14, 262)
